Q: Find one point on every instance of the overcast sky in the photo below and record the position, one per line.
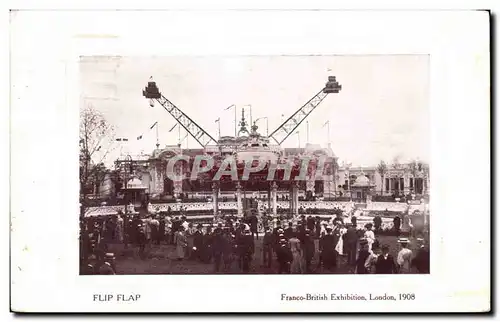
(381, 113)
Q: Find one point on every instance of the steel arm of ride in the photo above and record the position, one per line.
(200, 135)
(288, 127)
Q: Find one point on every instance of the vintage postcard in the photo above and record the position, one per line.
(309, 179)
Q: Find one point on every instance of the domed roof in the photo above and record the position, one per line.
(362, 181)
(135, 183)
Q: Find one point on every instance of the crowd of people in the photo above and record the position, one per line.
(305, 244)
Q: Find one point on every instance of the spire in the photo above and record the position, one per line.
(243, 123)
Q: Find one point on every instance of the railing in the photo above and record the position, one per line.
(103, 211)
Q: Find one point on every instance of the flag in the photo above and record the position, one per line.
(152, 126)
(173, 127)
(327, 122)
(217, 120)
(139, 137)
(228, 107)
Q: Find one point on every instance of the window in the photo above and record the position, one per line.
(411, 183)
(402, 184)
(387, 184)
(255, 145)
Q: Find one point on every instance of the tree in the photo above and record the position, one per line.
(96, 138)
(382, 170)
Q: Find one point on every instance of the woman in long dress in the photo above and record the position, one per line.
(297, 265)
(181, 243)
(340, 231)
(370, 236)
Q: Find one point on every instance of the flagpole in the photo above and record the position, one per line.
(157, 138)
(327, 123)
(179, 131)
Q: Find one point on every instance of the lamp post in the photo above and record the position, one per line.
(267, 123)
(250, 105)
(128, 161)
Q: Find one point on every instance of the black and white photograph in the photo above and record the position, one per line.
(255, 165)
(238, 160)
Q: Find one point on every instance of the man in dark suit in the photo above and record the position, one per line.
(310, 223)
(328, 256)
(289, 231)
(397, 224)
(198, 243)
(377, 223)
(351, 244)
(421, 260)
(284, 255)
(253, 222)
(247, 250)
(309, 249)
(385, 262)
(267, 248)
(218, 247)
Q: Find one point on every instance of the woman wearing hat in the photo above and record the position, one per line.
(404, 257)
(369, 235)
(297, 264)
(181, 243)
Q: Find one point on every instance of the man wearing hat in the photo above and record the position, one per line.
(218, 246)
(404, 256)
(155, 229)
(289, 231)
(309, 249)
(421, 260)
(267, 247)
(253, 221)
(207, 245)
(397, 224)
(198, 243)
(141, 238)
(229, 248)
(351, 242)
(327, 248)
(107, 268)
(377, 222)
(363, 255)
(247, 248)
(284, 255)
(385, 262)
